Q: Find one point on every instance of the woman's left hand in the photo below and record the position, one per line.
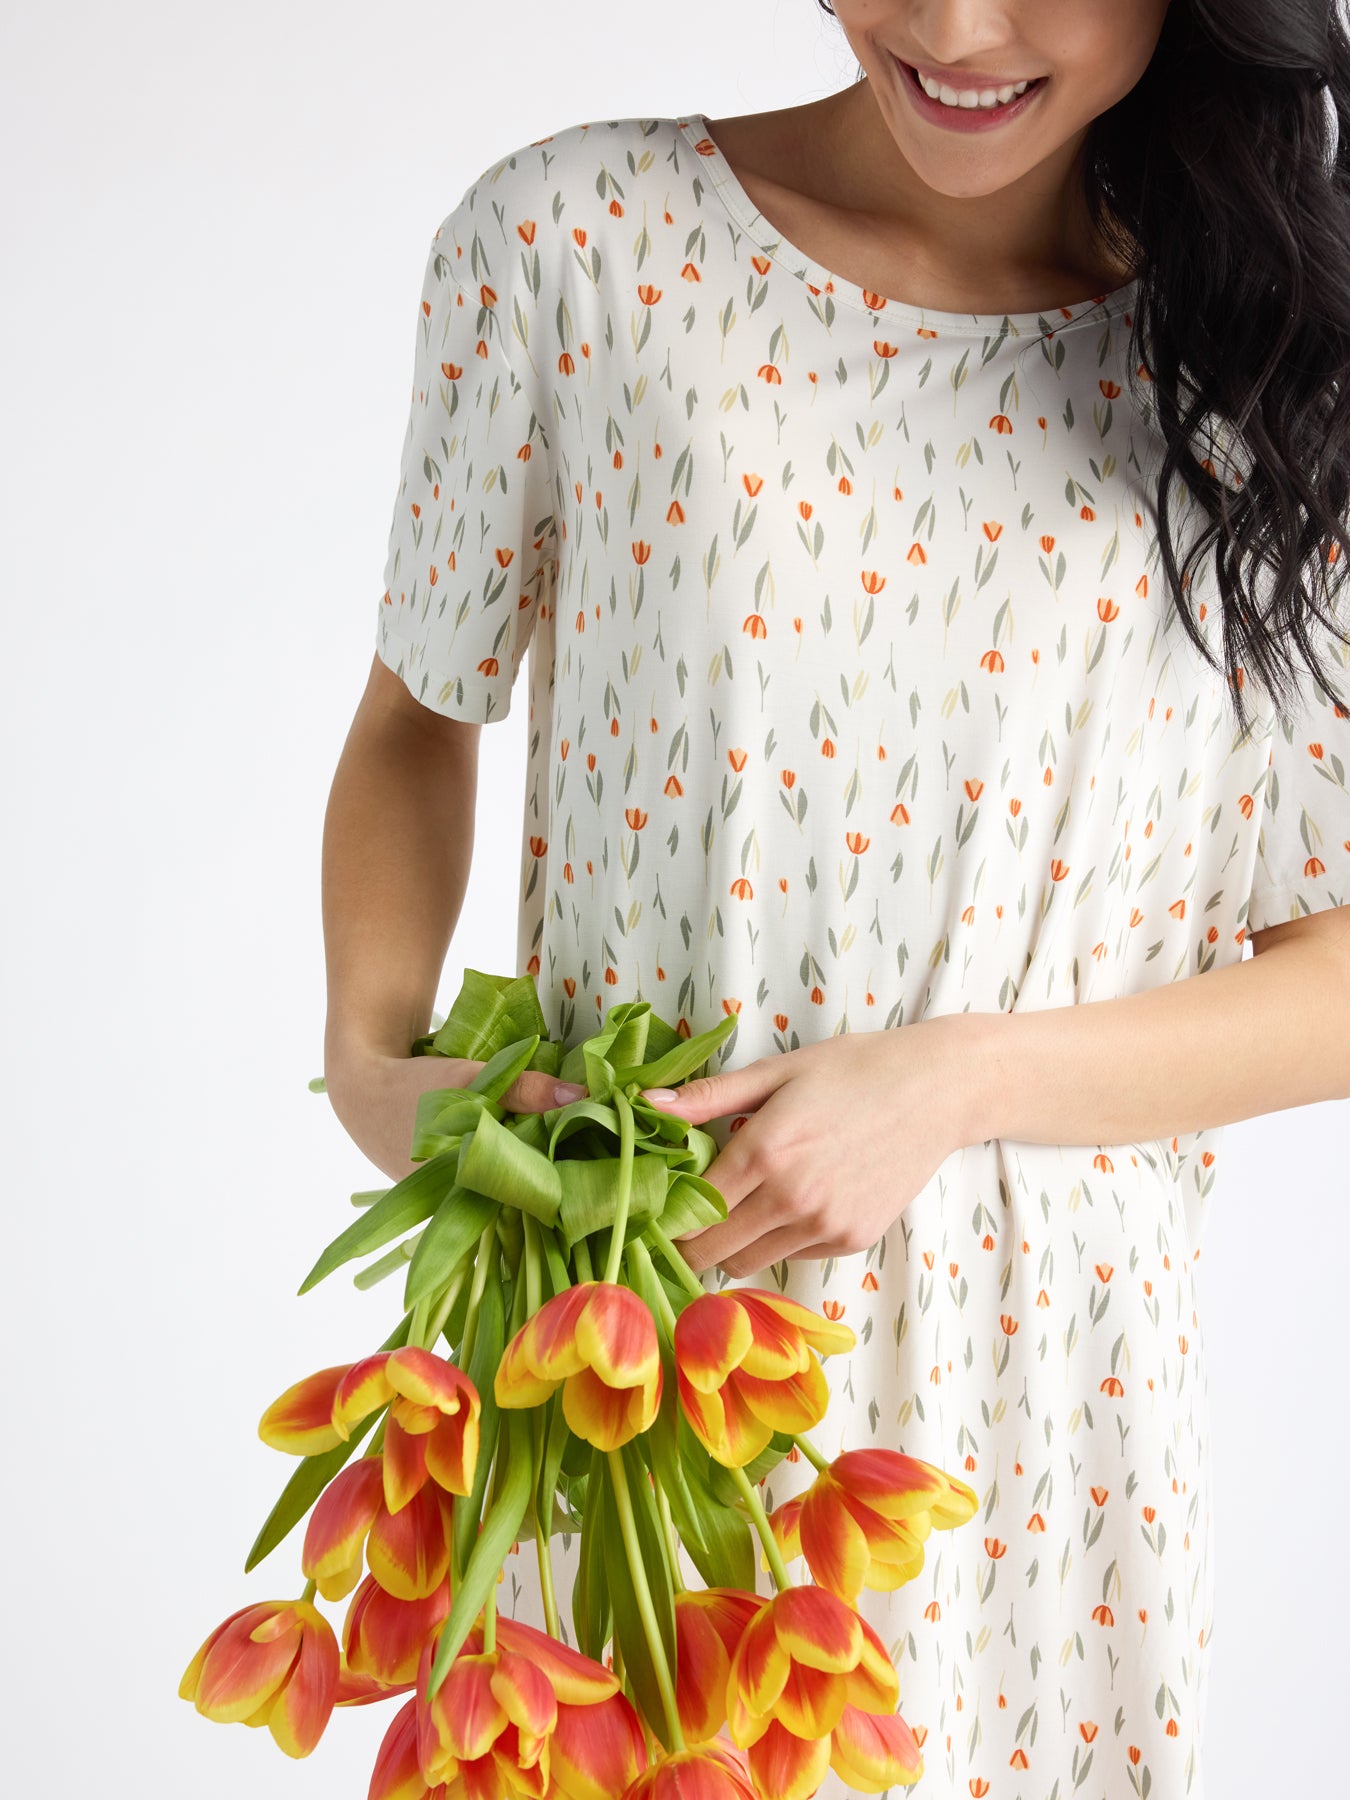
(838, 1138)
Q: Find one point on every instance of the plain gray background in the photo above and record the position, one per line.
(216, 227)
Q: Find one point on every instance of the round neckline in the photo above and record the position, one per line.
(791, 257)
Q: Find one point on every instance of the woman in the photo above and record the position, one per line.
(827, 461)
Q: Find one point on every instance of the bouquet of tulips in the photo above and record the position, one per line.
(592, 1385)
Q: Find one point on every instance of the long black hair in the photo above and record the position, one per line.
(1222, 179)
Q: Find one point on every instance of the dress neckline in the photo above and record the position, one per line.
(694, 128)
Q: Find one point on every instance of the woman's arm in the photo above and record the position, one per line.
(1254, 1037)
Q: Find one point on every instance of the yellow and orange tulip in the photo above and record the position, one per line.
(486, 1731)
(408, 1551)
(804, 1660)
(865, 1517)
(275, 1664)
(598, 1339)
(709, 1623)
(432, 1428)
(383, 1636)
(746, 1364)
(711, 1771)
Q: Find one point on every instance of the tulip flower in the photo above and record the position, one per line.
(275, 1664)
(408, 1551)
(596, 1748)
(486, 1730)
(745, 1361)
(865, 1517)
(709, 1623)
(397, 1774)
(711, 1771)
(599, 1339)
(805, 1659)
(383, 1636)
(431, 1431)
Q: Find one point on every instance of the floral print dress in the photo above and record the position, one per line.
(855, 697)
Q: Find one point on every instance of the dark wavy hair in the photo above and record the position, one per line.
(1222, 179)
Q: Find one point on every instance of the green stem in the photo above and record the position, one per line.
(642, 1256)
(490, 1621)
(544, 1547)
(583, 1256)
(531, 1255)
(481, 1258)
(809, 1450)
(448, 1299)
(623, 1500)
(663, 1507)
(673, 1257)
(763, 1527)
(311, 1588)
(620, 1103)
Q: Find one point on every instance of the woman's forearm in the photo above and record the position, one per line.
(1253, 1037)
(397, 845)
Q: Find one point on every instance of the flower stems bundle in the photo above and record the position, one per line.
(559, 1367)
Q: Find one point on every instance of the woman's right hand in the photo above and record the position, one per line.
(375, 1098)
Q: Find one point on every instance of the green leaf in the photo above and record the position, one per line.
(681, 1060)
(488, 1012)
(628, 1629)
(488, 1344)
(407, 1203)
(456, 1226)
(729, 1560)
(499, 1071)
(590, 1193)
(443, 1116)
(500, 1529)
(691, 1203)
(591, 1611)
(314, 1474)
(495, 1161)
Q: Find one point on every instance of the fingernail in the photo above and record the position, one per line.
(658, 1096)
(567, 1090)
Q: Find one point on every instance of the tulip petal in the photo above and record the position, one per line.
(383, 1636)
(469, 1717)
(727, 1429)
(452, 1452)
(874, 1751)
(616, 1334)
(577, 1680)
(822, 1334)
(550, 1335)
(338, 1526)
(300, 1421)
(363, 1388)
(525, 1694)
(712, 1334)
(702, 1664)
(516, 1383)
(760, 1664)
(187, 1687)
(873, 1685)
(785, 1521)
(409, 1551)
(811, 1701)
(596, 1412)
(833, 1542)
(815, 1627)
(304, 1706)
(397, 1774)
(786, 1767)
(405, 1465)
(430, 1380)
(793, 1404)
(596, 1752)
(241, 1674)
(777, 1348)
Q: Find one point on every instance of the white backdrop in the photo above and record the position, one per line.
(216, 226)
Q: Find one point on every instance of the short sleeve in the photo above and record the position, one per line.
(472, 541)
(1303, 848)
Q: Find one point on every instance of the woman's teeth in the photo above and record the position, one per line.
(969, 97)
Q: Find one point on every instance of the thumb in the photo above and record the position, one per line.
(714, 1096)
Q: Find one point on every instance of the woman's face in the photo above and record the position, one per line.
(1084, 55)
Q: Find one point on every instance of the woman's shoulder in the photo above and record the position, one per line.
(562, 182)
